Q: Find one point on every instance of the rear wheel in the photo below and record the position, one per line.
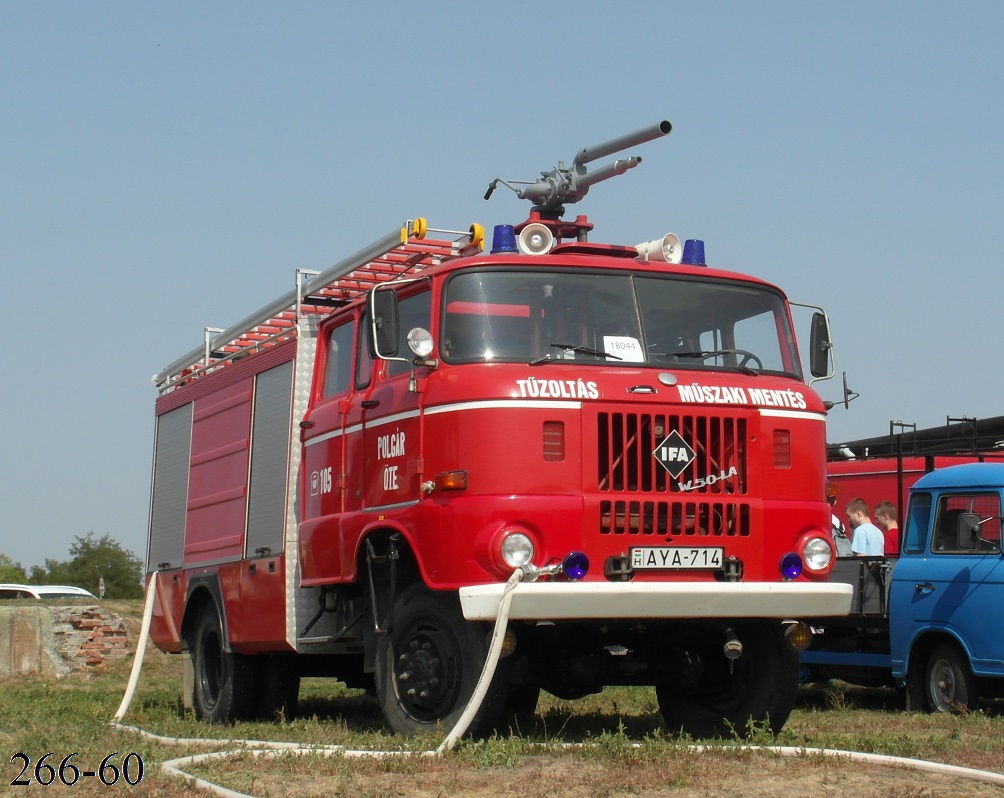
(713, 696)
(429, 665)
(950, 683)
(224, 681)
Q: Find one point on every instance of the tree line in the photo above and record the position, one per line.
(91, 560)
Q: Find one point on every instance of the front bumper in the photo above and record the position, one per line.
(560, 601)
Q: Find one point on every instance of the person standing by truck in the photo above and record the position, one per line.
(885, 519)
(867, 539)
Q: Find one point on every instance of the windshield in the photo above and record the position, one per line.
(613, 319)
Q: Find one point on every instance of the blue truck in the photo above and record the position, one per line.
(928, 620)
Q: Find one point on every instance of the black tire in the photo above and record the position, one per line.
(520, 708)
(224, 682)
(430, 663)
(277, 686)
(716, 697)
(949, 683)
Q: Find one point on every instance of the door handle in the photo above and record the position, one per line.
(370, 403)
(924, 587)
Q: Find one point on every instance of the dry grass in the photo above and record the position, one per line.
(625, 754)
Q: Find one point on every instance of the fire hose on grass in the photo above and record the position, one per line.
(268, 750)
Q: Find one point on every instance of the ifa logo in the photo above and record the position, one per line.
(674, 453)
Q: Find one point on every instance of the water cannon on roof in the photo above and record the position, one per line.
(565, 185)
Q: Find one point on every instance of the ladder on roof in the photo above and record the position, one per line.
(404, 251)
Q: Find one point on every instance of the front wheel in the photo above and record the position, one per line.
(429, 665)
(277, 687)
(710, 695)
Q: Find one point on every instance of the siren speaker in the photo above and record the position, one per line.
(535, 239)
(667, 249)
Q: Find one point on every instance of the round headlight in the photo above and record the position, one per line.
(817, 554)
(517, 550)
(420, 341)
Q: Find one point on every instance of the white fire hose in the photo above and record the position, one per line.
(269, 750)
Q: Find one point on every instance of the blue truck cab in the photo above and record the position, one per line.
(930, 620)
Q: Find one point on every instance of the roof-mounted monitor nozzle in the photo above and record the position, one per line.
(566, 185)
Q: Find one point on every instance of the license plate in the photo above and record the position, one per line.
(676, 557)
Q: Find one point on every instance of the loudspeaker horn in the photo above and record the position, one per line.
(535, 239)
(668, 249)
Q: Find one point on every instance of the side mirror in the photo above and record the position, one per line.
(969, 533)
(819, 346)
(966, 532)
(384, 326)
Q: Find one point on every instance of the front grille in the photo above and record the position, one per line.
(674, 518)
(705, 498)
(626, 442)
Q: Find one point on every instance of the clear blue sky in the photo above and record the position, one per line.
(166, 166)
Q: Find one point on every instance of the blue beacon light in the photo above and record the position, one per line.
(791, 566)
(575, 565)
(503, 239)
(693, 252)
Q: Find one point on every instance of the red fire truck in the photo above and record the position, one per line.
(344, 481)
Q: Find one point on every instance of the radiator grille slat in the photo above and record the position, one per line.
(677, 519)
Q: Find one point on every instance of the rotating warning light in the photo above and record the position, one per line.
(503, 239)
(575, 565)
(791, 566)
(693, 252)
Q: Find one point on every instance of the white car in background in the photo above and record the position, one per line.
(11, 591)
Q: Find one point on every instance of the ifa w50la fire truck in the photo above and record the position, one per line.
(345, 482)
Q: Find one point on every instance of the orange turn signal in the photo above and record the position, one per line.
(451, 480)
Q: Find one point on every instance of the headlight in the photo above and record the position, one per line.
(817, 554)
(517, 549)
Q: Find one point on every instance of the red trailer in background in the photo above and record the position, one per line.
(885, 468)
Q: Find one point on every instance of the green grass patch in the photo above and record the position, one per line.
(610, 744)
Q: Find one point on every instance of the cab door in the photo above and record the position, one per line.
(323, 436)
(958, 589)
(392, 423)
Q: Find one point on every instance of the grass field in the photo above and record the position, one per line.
(624, 750)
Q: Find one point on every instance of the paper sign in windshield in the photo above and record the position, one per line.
(625, 347)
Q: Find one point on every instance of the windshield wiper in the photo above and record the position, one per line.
(582, 350)
(744, 355)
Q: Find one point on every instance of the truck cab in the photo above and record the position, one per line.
(927, 620)
(947, 588)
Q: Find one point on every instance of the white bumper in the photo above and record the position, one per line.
(558, 601)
